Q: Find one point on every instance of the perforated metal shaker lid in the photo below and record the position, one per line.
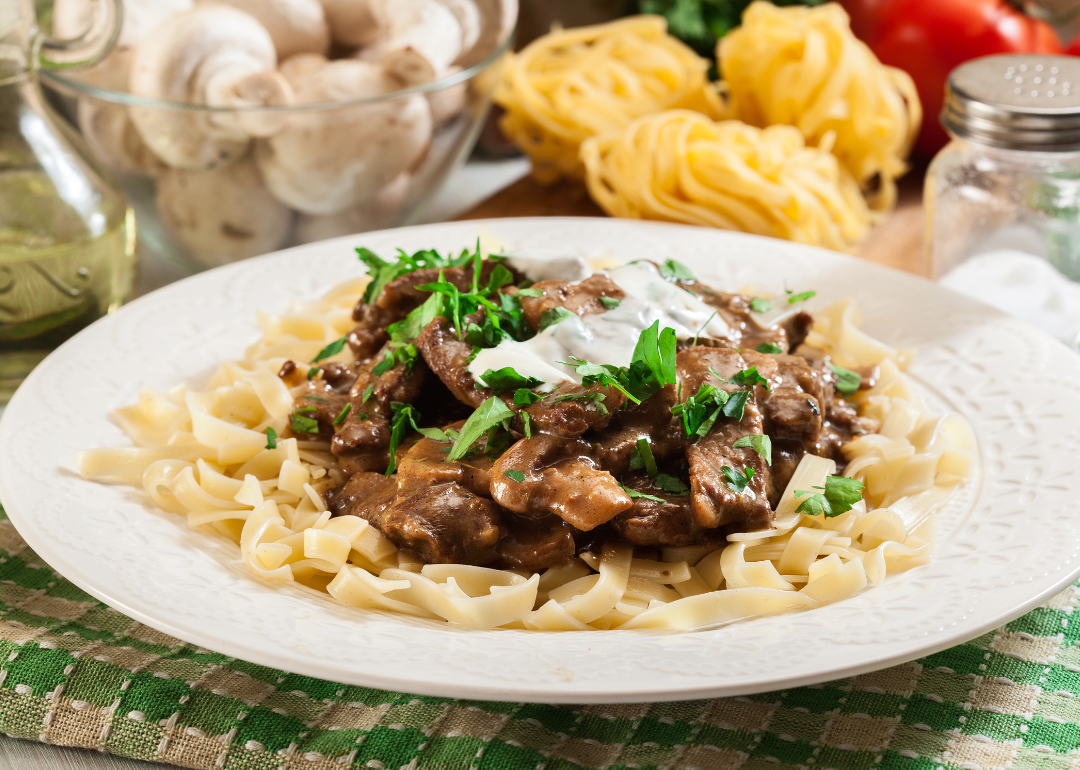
(1018, 101)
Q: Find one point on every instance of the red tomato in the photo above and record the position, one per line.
(929, 38)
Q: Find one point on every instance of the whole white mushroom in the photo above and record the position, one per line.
(71, 18)
(295, 26)
(212, 55)
(381, 212)
(222, 214)
(422, 38)
(330, 160)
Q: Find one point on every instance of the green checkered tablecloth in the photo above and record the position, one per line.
(74, 672)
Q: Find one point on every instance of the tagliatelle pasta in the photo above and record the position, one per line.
(205, 454)
(804, 67)
(573, 84)
(680, 166)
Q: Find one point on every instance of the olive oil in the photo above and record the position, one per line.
(49, 291)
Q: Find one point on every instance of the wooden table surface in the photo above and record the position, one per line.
(896, 241)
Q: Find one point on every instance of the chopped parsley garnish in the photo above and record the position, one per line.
(312, 372)
(701, 411)
(648, 462)
(343, 414)
(332, 349)
(673, 270)
(839, 495)
(304, 409)
(632, 493)
(508, 379)
(402, 418)
(302, 424)
(610, 302)
(769, 347)
(802, 297)
(761, 444)
(847, 381)
(671, 485)
(397, 354)
(737, 482)
(528, 424)
(553, 316)
(526, 292)
(524, 397)
(514, 475)
(271, 438)
(699, 331)
(759, 305)
(367, 393)
(490, 414)
(748, 378)
(382, 272)
(652, 366)
(607, 375)
(409, 328)
(315, 398)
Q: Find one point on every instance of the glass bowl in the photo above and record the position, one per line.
(213, 185)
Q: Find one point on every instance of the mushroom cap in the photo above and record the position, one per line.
(423, 38)
(331, 160)
(381, 212)
(296, 26)
(194, 59)
(297, 68)
(222, 214)
(353, 23)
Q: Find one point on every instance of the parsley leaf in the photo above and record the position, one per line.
(644, 451)
(769, 347)
(403, 354)
(343, 414)
(635, 494)
(528, 424)
(748, 378)
(735, 405)
(652, 365)
(302, 424)
(332, 349)
(839, 495)
(610, 302)
(847, 381)
(673, 270)
(403, 417)
(514, 475)
(596, 398)
(761, 444)
(271, 438)
(607, 375)
(531, 293)
(508, 379)
(554, 315)
(737, 482)
(671, 485)
(793, 298)
(382, 272)
(488, 415)
(367, 393)
(409, 328)
(312, 372)
(524, 397)
(759, 305)
(700, 411)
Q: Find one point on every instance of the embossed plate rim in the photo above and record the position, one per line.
(71, 523)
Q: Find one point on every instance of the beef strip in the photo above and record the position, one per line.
(734, 309)
(425, 464)
(535, 544)
(441, 521)
(713, 502)
(652, 420)
(362, 440)
(561, 477)
(841, 420)
(448, 356)
(651, 523)
(582, 298)
(785, 459)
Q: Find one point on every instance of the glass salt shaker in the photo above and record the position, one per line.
(67, 234)
(1002, 200)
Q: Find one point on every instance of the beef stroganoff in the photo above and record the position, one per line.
(517, 441)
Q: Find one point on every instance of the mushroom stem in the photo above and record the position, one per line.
(423, 38)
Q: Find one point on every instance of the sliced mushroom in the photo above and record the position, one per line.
(380, 213)
(204, 57)
(222, 214)
(296, 26)
(328, 161)
(353, 23)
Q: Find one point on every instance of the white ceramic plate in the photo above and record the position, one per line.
(1006, 544)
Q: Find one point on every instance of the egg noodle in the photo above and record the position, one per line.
(202, 453)
(804, 67)
(573, 84)
(681, 166)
